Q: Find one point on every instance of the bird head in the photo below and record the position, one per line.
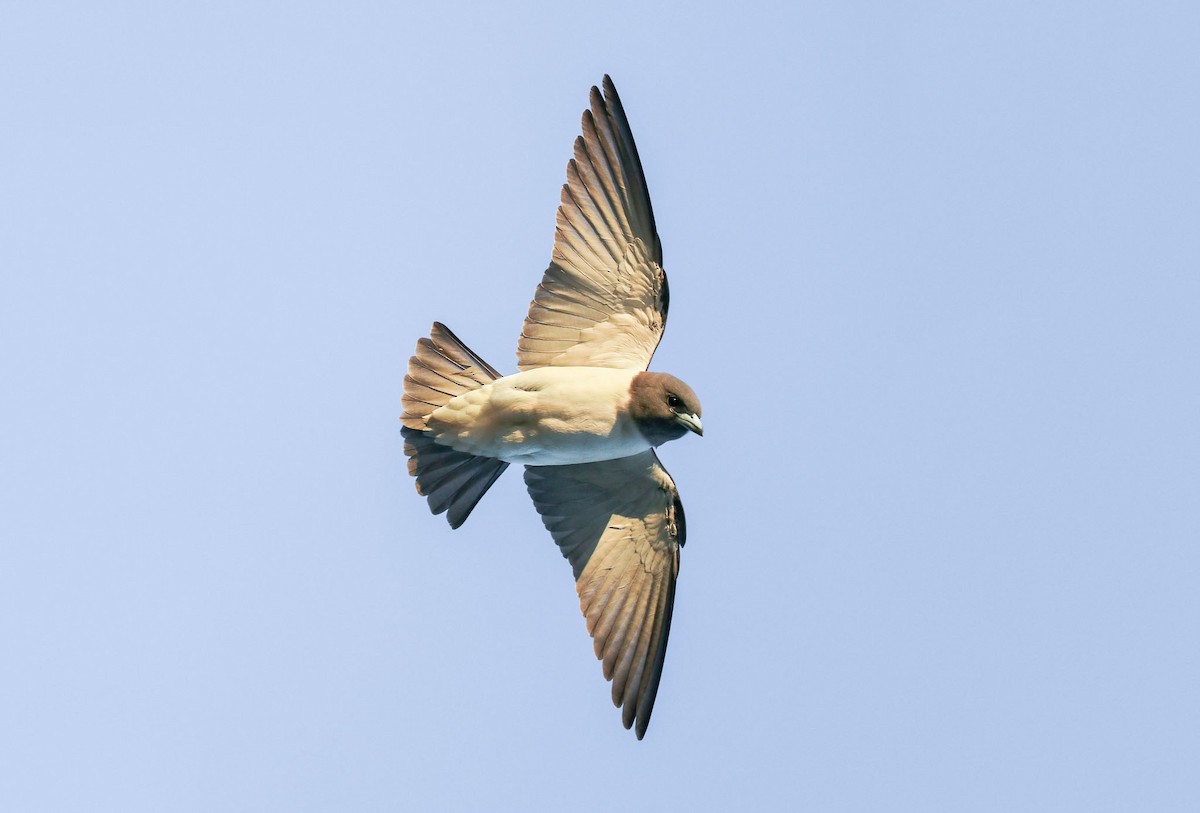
(663, 407)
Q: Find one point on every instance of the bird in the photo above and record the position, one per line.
(583, 414)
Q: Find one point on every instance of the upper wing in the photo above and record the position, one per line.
(603, 300)
(620, 524)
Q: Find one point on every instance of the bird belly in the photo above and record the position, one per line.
(543, 417)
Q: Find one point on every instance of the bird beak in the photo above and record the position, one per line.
(692, 422)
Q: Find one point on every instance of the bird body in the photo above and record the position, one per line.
(583, 414)
(544, 416)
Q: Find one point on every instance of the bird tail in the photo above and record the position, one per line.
(442, 368)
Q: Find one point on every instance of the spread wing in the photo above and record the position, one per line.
(603, 300)
(620, 524)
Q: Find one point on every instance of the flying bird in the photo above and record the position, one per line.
(582, 415)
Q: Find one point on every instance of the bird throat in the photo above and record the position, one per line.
(660, 430)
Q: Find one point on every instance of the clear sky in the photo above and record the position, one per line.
(935, 275)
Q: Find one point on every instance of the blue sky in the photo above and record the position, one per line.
(935, 274)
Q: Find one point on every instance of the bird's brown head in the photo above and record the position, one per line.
(663, 407)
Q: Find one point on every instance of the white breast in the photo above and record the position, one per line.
(546, 416)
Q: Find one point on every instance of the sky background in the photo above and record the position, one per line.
(935, 275)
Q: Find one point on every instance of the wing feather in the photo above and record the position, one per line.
(605, 281)
(620, 525)
(638, 655)
(623, 636)
(600, 184)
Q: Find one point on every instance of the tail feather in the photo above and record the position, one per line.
(443, 368)
(452, 481)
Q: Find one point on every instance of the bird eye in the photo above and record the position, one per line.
(673, 402)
